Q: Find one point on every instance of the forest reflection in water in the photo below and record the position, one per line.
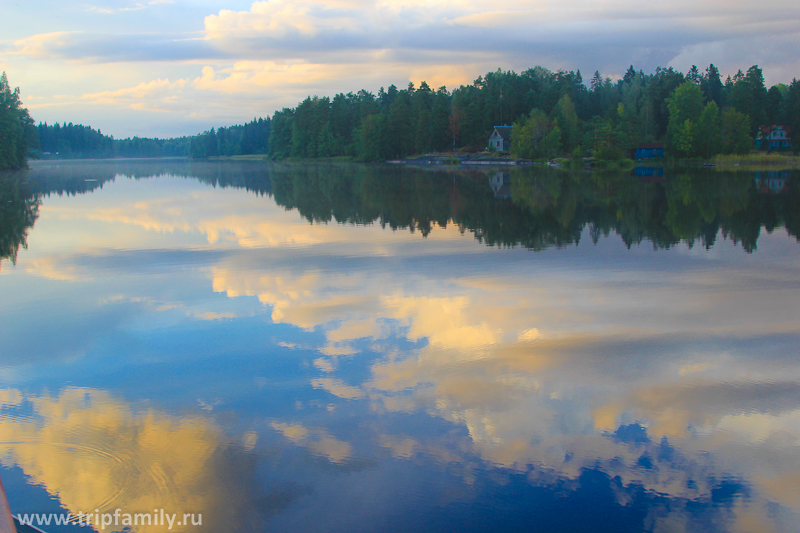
(344, 377)
(530, 207)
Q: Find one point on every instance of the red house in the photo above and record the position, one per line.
(774, 137)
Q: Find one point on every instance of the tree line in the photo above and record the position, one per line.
(250, 138)
(554, 113)
(71, 141)
(76, 141)
(696, 114)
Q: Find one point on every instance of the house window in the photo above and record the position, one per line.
(785, 143)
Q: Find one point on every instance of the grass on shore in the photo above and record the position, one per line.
(757, 161)
(751, 162)
(248, 157)
(613, 163)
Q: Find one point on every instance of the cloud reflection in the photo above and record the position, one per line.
(95, 452)
(667, 371)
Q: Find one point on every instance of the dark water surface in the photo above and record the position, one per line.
(319, 348)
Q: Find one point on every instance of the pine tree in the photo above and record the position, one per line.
(17, 132)
(712, 85)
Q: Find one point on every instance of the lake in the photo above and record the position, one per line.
(246, 346)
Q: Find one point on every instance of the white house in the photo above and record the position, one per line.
(500, 139)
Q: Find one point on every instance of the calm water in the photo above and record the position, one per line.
(352, 348)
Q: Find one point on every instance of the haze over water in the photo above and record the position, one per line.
(369, 348)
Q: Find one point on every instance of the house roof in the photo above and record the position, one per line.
(651, 146)
(766, 130)
(504, 132)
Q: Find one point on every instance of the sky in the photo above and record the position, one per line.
(178, 67)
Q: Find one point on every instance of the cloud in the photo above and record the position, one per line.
(210, 315)
(275, 18)
(338, 388)
(52, 267)
(318, 441)
(42, 45)
(143, 90)
(134, 6)
(324, 364)
(277, 52)
(94, 47)
(347, 34)
(92, 451)
(537, 359)
(308, 29)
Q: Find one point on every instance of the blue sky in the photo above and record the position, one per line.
(174, 67)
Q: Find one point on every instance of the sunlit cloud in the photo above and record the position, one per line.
(156, 88)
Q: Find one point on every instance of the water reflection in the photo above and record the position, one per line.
(96, 453)
(19, 209)
(545, 207)
(536, 207)
(343, 377)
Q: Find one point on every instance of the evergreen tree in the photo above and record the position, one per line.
(712, 85)
(791, 107)
(371, 138)
(774, 106)
(630, 74)
(749, 96)
(17, 132)
(280, 139)
(422, 114)
(440, 117)
(694, 75)
(399, 124)
(662, 84)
